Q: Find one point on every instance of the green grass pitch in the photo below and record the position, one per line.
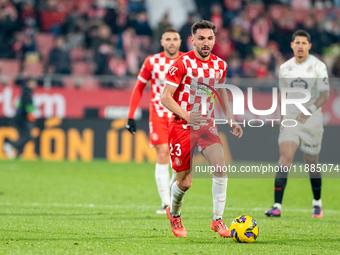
(106, 208)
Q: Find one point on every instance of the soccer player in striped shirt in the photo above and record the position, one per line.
(194, 72)
(154, 70)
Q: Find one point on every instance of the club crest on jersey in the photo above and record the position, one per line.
(217, 75)
(213, 130)
(172, 70)
(299, 83)
(309, 69)
(178, 162)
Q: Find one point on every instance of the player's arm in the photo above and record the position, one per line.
(168, 101)
(237, 130)
(137, 92)
(322, 98)
(322, 85)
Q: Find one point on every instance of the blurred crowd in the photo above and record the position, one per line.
(56, 38)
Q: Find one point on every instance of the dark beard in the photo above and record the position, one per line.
(202, 54)
(171, 54)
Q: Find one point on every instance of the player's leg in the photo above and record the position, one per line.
(180, 153)
(215, 157)
(13, 149)
(162, 175)
(158, 128)
(178, 191)
(316, 181)
(173, 178)
(287, 151)
(311, 147)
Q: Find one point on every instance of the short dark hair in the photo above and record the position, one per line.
(170, 30)
(301, 32)
(202, 24)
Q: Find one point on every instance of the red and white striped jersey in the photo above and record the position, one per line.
(155, 68)
(193, 78)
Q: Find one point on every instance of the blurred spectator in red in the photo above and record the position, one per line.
(118, 65)
(216, 16)
(131, 49)
(28, 15)
(223, 45)
(185, 33)
(59, 57)
(122, 17)
(262, 70)
(9, 9)
(260, 32)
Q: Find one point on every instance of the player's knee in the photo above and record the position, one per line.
(163, 155)
(220, 170)
(184, 185)
(285, 160)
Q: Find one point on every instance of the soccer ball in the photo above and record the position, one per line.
(244, 229)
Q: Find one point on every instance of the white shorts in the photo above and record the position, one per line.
(308, 136)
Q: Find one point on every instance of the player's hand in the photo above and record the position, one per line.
(131, 126)
(197, 119)
(237, 130)
(31, 117)
(302, 118)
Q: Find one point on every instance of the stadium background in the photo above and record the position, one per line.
(86, 55)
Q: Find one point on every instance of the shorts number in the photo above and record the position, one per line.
(177, 151)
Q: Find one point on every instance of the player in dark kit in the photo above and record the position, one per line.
(24, 120)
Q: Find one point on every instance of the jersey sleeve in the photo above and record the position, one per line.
(143, 78)
(175, 73)
(322, 81)
(224, 74)
(282, 82)
(145, 72)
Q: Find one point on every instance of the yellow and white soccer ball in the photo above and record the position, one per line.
(244, 229)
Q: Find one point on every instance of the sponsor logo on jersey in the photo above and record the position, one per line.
(172, 70)
(299, 83)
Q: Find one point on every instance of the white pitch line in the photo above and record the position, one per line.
(151, 207)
